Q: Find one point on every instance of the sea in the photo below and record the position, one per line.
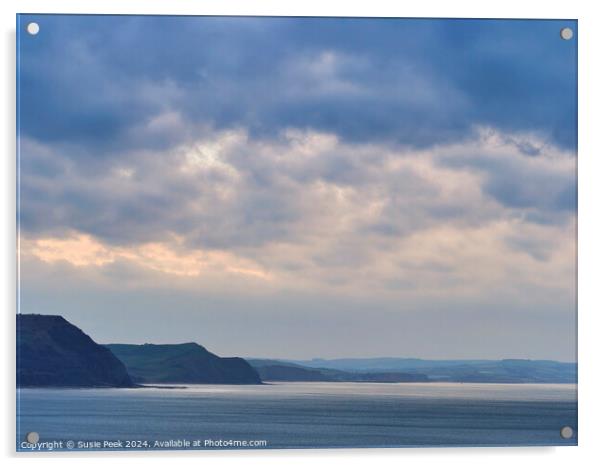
(296, 415)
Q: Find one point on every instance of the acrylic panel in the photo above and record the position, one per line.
(273, 232)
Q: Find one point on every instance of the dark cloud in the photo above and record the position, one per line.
(535, 185)
(92, 80)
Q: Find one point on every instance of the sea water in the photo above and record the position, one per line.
(297, 415)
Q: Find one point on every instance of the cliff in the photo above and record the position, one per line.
(182, 363)
(51, 352)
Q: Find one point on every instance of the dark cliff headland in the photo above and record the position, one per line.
(51, 352)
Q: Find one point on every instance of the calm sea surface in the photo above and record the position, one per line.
(298, 415)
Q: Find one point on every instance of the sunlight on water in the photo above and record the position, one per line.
(490, 391)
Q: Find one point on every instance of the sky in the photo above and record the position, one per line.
(302, 187)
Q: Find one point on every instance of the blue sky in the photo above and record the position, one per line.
(302, 187)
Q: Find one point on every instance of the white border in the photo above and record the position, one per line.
(590, 225)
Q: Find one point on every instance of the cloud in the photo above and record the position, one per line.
(309, 210)
(84, 251)
(545, 185)
(284, 180)
(410, 82)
